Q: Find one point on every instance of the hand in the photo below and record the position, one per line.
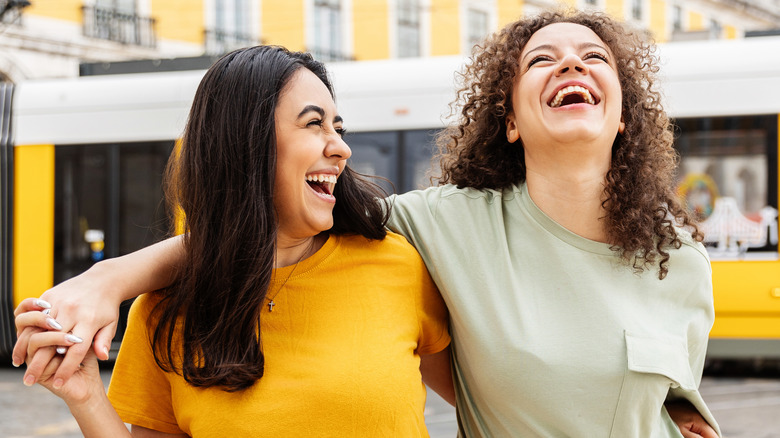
(689, 420)
(84, 306)
(84, 385)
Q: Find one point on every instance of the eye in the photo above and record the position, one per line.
(595, 55)
(315, 122)
(538, 59)
(341, 131)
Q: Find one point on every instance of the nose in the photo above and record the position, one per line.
(337, 148)
(573, 63)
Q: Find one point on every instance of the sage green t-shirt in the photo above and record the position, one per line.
(553, 334)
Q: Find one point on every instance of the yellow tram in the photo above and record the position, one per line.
(82, 161)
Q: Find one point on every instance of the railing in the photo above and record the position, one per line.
(122, 27)
(219, 42)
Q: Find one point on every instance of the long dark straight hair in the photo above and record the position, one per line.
(223, 180)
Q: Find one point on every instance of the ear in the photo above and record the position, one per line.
(621, 126)
(512, 134)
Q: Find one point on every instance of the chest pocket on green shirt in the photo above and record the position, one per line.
(654, 365)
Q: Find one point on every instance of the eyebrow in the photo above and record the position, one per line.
(318, 110)
(581, 46)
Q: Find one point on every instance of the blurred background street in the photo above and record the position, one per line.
(746, 407)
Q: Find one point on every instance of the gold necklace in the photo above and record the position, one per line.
(271, 303)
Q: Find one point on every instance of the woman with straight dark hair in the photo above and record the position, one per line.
(276, 325)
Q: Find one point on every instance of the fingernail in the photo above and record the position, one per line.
(58, 383)
(46, 311)
(29, 380)
(53, 324)
(62, 350)
(105, 350)
(73, 338)
(16, 361)
(42, 303)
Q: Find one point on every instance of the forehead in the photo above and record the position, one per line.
(303, 88)
(563, 34)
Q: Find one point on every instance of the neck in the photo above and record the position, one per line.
(570, 192)
(290, 251)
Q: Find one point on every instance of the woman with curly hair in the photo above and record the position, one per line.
(580, 296)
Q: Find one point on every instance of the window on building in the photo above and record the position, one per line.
(232, 27)
(716, 30)
(677, 17)
(636, 9)
(478, 26)
(118, 20)
(408, 28)
(327, 31)
(590, 2)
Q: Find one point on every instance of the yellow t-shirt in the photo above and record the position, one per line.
(341, 346)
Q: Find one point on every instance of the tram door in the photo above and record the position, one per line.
(108, 202)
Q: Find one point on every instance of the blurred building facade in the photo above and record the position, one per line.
(50, 38)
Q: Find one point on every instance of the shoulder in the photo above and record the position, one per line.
(144, 305)
(393, 243)
(449, 195)
(690, 252)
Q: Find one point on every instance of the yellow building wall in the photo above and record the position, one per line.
(615, 8)
(730, 32)
(33, 251)
(371, 25)
(181, 20)
(68, 10)
(509, 11)
(445, 27)
(658, 20)
(282, 22)
(695, 21)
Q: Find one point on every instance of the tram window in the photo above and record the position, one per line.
(377, 154)
(419, 147)
(730, 158)
(108, 202)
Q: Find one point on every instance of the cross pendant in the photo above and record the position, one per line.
(271, 305)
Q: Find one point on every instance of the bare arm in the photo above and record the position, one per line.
(88, 305)
(437, 374)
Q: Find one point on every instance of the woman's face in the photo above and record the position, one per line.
(567, 91)
(310, 155)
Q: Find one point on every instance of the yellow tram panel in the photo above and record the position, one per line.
(33, 225)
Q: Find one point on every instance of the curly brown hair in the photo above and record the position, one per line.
(641, 206)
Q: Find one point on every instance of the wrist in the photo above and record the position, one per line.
(106, 272)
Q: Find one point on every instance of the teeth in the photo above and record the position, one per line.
(322, 178)
(556, 102)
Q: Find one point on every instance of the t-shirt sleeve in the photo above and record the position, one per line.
(432, 315)
(139, 390)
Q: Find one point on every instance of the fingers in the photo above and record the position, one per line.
(42, 348)
(36, 319)
(70, 364)
(29, 304)
(19, 354)
(102, 341)
(29, 321)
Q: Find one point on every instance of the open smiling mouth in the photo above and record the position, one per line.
(571, 95)
(322, 184)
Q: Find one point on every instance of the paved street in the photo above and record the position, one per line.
(746, 407)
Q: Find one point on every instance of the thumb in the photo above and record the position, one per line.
(102, 341)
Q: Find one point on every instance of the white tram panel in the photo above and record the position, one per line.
(104, 109)
(721, 78)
